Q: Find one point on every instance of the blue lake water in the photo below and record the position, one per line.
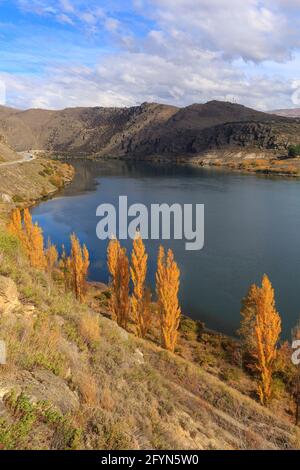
(252, 227)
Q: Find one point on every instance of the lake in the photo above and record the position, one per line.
(252, 227)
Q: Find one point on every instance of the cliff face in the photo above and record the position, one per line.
(148, 129)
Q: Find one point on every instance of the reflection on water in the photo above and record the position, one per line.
(252, 226)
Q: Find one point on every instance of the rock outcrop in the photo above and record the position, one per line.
(9, 297)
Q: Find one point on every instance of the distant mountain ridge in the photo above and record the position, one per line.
(293, 112)
(148, 129)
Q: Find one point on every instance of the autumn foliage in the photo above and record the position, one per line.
(138, 308)
(31, 237)
(124, 279)
(15, 224)
(167, 287)
(34, 242)
(78, 265)
(247, 328)
(267, 331)
(113, 251)
(73, 268)
(140, 301)
(51, 255)
(261, 327)
(118, 265)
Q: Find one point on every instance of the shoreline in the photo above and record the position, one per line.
(92, 283)
(100, 286)
(290, 167)
(26, 185)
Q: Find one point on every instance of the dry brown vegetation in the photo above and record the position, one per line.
(139, 301)
(73, 269)
(118, 266)
(260, 331)
(24, 184)
(75, 379)
(89, 328)
(167, 287)
(138, 308)
(260, 326)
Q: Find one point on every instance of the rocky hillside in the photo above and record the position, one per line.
(24, 179)
(147, 130)
(75, 380)
(7, 154)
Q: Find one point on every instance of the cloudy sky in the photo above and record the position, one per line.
(55, 54)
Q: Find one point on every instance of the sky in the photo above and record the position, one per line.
(64, 53)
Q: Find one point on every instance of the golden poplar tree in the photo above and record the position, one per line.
(51, 255)
(27, 221)
(296, 378)
(113, 251)
(15, 224)
(138, 270)
(118, 266)
(246, 330)
(33, 242)
(65, 268)
(124, 297)
(27, 233)
(31, 237)
(267, 330)
(167, 288)
(37, 257)
(79, 264)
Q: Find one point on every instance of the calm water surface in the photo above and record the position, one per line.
(252, 226)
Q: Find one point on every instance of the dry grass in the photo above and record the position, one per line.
(34, 342)
(89, 328)
(106, 401)
(87, 387)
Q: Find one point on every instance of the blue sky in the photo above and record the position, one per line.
(55, 54)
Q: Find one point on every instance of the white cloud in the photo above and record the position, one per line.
(131, 78)
(112, 24)
(87, 13)
(195, 50)
(67, 6)
(251, 29)
(63, 18)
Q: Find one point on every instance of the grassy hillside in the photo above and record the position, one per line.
(74, 379)
(24, 184)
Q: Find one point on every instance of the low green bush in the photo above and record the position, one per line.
(294, 150)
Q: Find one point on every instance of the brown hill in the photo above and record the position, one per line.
(148, 129)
